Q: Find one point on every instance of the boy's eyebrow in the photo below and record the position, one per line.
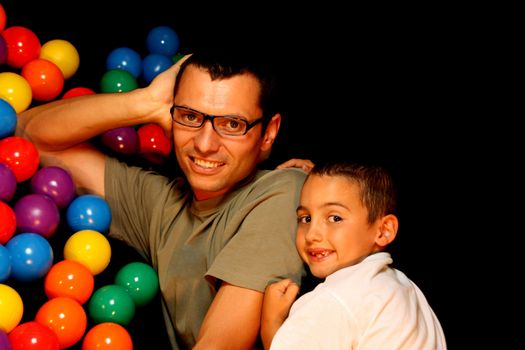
(327, 204)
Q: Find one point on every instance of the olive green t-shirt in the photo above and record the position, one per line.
(245, 237)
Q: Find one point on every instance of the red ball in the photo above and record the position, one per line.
(20, 155)
(7, 223)
(2, 18)
(45, 78)
(154, 144)
(78, 91)
(33, 335)
(22, 46)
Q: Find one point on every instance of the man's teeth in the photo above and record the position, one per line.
(206, 163)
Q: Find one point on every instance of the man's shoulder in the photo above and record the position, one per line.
(282, 175)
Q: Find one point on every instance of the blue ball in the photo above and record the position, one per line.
(31, 256)
(89, 212)
(7, 119)
(5, 264)
(163, 40)
(126, 59)
(155, 64)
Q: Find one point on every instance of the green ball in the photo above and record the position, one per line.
(118, 80)
(111, 303)
(140, 281)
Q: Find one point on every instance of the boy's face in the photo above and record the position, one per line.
(333, 231)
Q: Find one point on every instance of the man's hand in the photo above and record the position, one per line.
(304, 164)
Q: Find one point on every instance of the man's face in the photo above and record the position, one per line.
(215, 163)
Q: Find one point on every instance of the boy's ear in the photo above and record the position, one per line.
(387, 230)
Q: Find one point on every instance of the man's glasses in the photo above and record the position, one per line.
(224, 125)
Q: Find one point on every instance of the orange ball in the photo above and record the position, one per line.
(69, 278)
(66, 318)
(107, 336)
(45, 78)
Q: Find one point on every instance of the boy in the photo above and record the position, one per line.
(345, 221)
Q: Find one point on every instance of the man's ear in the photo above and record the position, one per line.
(270, 134)
(387, 230)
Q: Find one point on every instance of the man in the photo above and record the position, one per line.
(216, 243)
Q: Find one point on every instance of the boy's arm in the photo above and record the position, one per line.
(278, 298)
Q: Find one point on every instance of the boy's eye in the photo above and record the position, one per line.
(335, 218)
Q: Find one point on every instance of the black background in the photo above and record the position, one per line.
(380, 85)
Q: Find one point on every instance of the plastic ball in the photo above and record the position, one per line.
(7, 222)
(118, 80)
(3, 18)
(23, 46)
(63, 54)
(107, 336)
(15, 89)
(33, 336)
(56, 183)
(78, 91)
(7, 183)
(65, 317)
(154, 144)
(45, 78)
(163, 40)
(90, 248)
(37, 213)
(8, 119)
(154, 64)
(11, 308)
(5, 344)
(3, 50)
(111, 303)
(69, 278)
(123, 140)
(126, 59)
(31, 256)
(5, 264)
(20, 155)
(89, 212)
(140, 281)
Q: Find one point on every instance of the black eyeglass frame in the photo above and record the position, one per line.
(211, 118)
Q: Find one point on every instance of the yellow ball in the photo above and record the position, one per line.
(90, 248)
(63, 54)
(11, 308)
(15, 89)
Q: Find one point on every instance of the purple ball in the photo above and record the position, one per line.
(3, 50)
(7, 183)
(56, 183)
(122, 140)
(37, 213)
(5, 344)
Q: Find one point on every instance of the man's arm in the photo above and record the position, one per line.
(60, 129)
(233, 319)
